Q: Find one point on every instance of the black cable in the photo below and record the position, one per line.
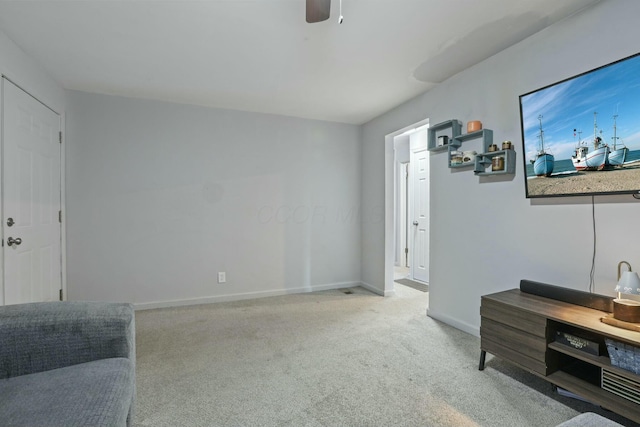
(593, 259)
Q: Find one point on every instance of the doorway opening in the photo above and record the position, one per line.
(407, 206)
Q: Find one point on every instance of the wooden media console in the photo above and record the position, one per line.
(563, 343)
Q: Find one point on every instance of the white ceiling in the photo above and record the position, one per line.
(261, 55)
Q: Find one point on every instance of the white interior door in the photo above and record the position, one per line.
(31, 228)
(420, 215)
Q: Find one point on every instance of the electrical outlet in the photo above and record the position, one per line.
(222, 277)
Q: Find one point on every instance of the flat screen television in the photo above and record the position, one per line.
(581, 136)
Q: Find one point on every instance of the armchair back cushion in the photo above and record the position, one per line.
(39, 337)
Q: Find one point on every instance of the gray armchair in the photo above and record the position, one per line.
(67, 364)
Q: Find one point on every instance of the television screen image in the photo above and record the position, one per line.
(581, 136)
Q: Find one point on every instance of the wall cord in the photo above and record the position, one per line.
(593, 258)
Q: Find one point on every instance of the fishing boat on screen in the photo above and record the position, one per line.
(596, 159)
(543, 161)
(618, 152)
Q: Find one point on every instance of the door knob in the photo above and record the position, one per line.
(10, 222)
(11, 241)
(416, 223)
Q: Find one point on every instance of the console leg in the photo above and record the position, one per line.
(483, 355)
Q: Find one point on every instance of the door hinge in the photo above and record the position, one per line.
(61, 299)
(60, 137)
(60, 217)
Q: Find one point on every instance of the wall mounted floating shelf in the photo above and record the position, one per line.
(487, 139)
(483, 161)
(454, 125)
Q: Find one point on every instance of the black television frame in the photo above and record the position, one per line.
(584, 190)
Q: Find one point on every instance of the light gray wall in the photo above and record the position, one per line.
(163, 196)
(486, 235)
(21, 69)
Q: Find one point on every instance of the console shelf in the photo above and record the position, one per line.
(601, 361)
(594, 394)
(522, 327)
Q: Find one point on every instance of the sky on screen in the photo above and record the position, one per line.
(569, 105)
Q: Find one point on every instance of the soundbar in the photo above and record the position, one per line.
(572, 296)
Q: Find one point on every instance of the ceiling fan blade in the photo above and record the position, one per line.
(318, 10)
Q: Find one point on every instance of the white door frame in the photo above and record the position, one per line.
(389, 202)
(403, 213)
(63, 232)
(402, 154)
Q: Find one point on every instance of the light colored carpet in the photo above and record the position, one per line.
(329, 359)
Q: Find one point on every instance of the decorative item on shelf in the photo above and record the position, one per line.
(627, 310)
(624, 356)
(579, 343)
(456, 157)
(443, 135)
(497, 163)
(610, 320)
(469, 156)
(493, 147)
(506, 145)
(474, 126)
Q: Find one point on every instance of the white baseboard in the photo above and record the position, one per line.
(377, 291)
(463, 326)
(243, 296)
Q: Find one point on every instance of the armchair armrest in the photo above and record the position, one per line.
(38, 337)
